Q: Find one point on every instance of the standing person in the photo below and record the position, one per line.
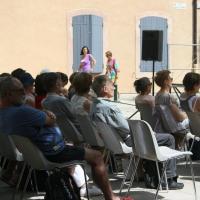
(112, 71)
(111, 67)
(87, 60)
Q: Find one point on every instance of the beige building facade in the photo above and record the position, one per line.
(38, 34)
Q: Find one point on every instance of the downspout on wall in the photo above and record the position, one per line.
(194, 34)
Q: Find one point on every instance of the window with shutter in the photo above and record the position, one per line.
(153, 23)
(88, 31)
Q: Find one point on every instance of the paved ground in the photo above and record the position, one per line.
(138, 191)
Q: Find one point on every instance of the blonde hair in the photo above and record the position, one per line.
(108, 53)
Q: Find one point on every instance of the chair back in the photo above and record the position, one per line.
(112, 140)
(145, 143)
(168, 122)
(8, 148)
(194, 118)
(146, 113)
(89, 131)
(69, 131)
(32, 155)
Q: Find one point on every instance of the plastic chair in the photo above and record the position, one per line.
(169, 125)
(194, 121)
(114, 143)
(9, 151)
(146, 113)
(194, 118)
(112, 140)
(36, 160)
(89, 132)
(147, 147)
(70, 132)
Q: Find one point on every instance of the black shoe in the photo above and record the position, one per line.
(173, 185)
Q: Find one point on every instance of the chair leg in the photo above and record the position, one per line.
(158, 171)
(162, 176)
(126, 172)
(26, 183)
(20, 177)
(35, 180)
(167, 187)
(193, 178)
(86, 182)
(19, 181)
(4, 162)
(132, 177)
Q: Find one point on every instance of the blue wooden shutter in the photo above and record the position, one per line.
(87, 31)
(81, 35)
(97, 42)
(159, 24)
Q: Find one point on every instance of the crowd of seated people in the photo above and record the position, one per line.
(39, 126)
(105, 111)
(50, 100)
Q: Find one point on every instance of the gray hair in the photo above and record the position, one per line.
(98, 83)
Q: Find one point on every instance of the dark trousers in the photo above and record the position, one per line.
(165, 139)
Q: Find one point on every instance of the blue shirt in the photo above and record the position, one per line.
(29, 122)
(105, 111)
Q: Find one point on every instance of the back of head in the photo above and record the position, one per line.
(40, 89)
(71, 78)
(26, 79)
(82, 83)
(141, 85)
(63, 77)
(7, 85)
(98, 83)
(17, 73)
(190, 80)
(161, 76)
(50, 81)
(4, 74)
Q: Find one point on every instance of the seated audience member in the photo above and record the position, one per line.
(71, 89)
(62, 108)
(28, 82)
(40, 90)
(4, 74)
(81, 100)
(64, 79)
(38, 126)
(105, 111)
(143, 88)
(18, 72)
(145, 102)
(189, 101)
(56, 103)
(164, 97)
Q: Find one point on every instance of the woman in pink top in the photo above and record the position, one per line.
(112, 67)
(87, 60)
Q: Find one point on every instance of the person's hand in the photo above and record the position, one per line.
(50, 114)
